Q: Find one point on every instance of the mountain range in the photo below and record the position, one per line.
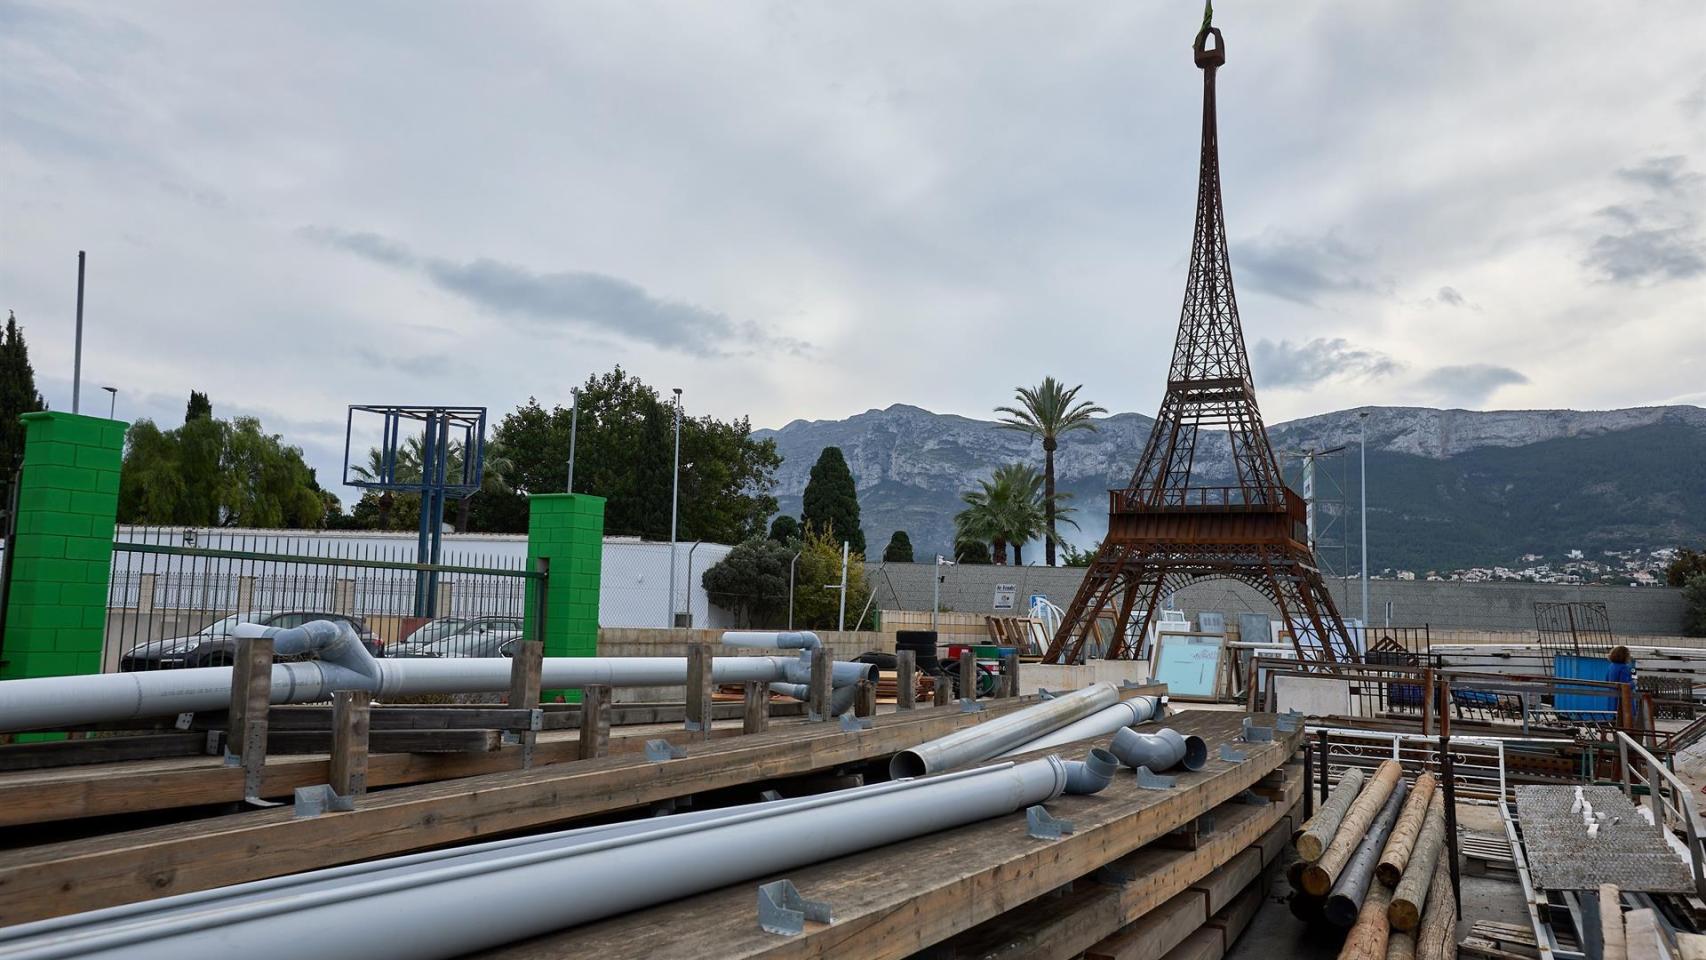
(1447, 488)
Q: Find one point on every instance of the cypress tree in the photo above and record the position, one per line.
(831, 502)
(199, 407)
(17, 396)
(899, 549)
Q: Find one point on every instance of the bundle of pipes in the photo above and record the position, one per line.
(447, 903)
(342, 663)
(1371, 860)
(1081, 715)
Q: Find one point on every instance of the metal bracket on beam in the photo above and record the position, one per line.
(1115, 874)
(184, 721)
(215, 742)
(658, 751)
(1151, 781)
(781, 909)
(1230, 755)
(852, 724)
(968, 705)
(536, 720)
(769, 795)
(1042, 825)
(1288, 721)
(1043, 693)
(1255, 734)
(313, 801)
(1253, 799)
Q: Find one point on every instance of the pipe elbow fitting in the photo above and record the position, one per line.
(1159, 751)
(333, 642)
(1092, 774)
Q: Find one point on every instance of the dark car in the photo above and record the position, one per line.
(482, 637)
(222, 651)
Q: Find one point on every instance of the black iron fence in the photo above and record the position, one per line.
(174, 603)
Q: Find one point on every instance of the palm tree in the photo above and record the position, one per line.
(1048, 411)
(1009, 508)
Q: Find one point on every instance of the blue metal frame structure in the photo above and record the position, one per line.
(441, 428)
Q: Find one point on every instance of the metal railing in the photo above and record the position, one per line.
(173, 604)
(1477, 763)
(1667, 802)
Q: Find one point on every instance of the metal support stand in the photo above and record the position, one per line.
(781, 909)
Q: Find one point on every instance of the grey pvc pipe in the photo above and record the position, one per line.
(1093, 773)
(993, 737)
(771, 639)
(1159, 751)
(519, 892)
(1126, 713)
(344, 664)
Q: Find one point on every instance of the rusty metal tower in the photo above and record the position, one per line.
(1165, 532)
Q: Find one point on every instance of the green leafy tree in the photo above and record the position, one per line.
(18, 396)
(971, 552)
(623, 452)
(817, 608)
(899, 549)
(198, 408)
(1685, 566)
(1048, 412)
(211, 472)
(784, 529)
(831, 501)
(1694, 606)
(752, 582)
(1074, 557)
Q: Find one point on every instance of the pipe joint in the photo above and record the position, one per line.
(1091, 774)
(1159, 751)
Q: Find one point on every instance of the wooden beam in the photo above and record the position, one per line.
(349, 742)
(251, 697)
(865, 700)
(595, 722)
(943, 692)
(821, 681)
(1010, 670)
(1156, 932)
(756, 702)
(527, 661)
(905, 679)
(389, 741)
(699, 715)
(60, 878)
(968, 674)
(92, 750)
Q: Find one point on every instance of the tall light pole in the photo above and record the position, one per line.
(674, 503)
(77, 350)
(936, 588)
(112, 402)
(1362, 484)
(791, 564)
(574, 423)
(841, 619)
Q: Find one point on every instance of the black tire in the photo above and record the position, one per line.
(882, 661)
(915, 639)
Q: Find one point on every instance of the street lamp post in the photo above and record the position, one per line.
(574, 424)
(1362, 484)
(674, 503)
(791, 564)
(112, 401)
(77, 349)
(936, 589)
(841, 619)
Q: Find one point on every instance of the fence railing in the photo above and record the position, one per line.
(173, 604)
(1652, 787)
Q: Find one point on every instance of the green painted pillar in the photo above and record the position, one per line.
(567, 530)
(62, 553)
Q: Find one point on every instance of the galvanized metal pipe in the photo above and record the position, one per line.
(1126, 713)
(440, 907)
(344, 664)
(994, 737)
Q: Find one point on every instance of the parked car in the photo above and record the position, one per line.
(429, 632)
(214, 645)
(483, 637)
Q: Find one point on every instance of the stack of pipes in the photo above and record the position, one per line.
(1373, 860)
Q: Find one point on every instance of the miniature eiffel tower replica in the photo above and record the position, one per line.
(1165, 532)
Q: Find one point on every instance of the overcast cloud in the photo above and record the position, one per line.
(806, 209)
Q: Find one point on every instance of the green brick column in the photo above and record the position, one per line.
(567, 529)
(62, 554)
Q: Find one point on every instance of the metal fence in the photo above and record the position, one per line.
(173, 599)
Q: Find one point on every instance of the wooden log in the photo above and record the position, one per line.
(1294, 874)
(1319, 877)
(1401, 946)
(756, 717)
(1412, 891)
(349, 742)
(594, 740)
(1367, 940)
(1404, 833)
(1306, 908)
(905, 679)
(1436, 939)
(1319, 831)
(1615, 944)
(1344, 903)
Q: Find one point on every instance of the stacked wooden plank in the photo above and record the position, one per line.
(1374, 859)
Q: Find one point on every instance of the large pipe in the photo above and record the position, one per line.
(344, 664)
(519, 889)
(993, 737)
(772, 639)
(1093, 773)
(1126, 713)
(1162, 750)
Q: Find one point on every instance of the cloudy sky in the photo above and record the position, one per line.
(807, 210)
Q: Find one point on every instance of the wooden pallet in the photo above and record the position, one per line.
(1499, 941)
(1485, 852)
